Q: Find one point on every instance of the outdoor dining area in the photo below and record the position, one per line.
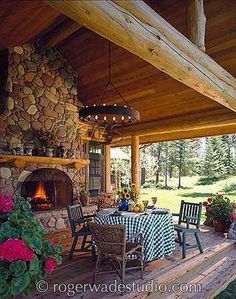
(123, 247)
(79, 78)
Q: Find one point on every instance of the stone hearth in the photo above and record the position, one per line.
(57, 219)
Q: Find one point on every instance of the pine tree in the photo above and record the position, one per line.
(214, 162)
(228, 143)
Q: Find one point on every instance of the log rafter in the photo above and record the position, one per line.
(60, 32)
(149, 43)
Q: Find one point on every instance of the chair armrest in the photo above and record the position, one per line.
(137, 235)
(83, 221)
(89, 216)
(175, 214)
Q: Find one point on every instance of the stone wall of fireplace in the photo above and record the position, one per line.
(42, 89)
(42, 96)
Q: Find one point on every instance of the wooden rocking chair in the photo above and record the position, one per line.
(190, 214)
(79, 228)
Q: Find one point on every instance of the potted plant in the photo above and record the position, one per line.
(84, 197)
(48, 141)
(219, 210)
(26, 257)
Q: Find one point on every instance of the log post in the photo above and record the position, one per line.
(107, 168)
(135, 162)
(196, 23)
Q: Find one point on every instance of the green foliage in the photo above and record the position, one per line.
(219, 207)
(229, 188)
(229, 292)
(19, 277)
(214, 158)
(214, 164)
(148, 185)
(207, 181)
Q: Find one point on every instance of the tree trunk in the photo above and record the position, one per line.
(157, 177)
(180, 176)
(166, 165)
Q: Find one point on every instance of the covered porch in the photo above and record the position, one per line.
(172, 61)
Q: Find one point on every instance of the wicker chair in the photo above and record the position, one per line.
(79, 228)
(105, 200)
(113, 246)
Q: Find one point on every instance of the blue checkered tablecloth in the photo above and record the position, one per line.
(157, 229)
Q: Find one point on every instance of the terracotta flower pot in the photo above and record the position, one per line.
(220, 226)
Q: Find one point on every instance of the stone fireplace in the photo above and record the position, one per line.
(41, 96)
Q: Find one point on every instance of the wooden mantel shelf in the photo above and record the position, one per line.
(20, 161)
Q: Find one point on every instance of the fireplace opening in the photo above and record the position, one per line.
(48, 189)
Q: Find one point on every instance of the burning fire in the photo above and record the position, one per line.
(40, 191)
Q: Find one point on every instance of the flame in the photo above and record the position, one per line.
(40, 191)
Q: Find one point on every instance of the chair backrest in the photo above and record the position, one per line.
(105, 200)
(190, 209)
(75, 215)
(110, 239)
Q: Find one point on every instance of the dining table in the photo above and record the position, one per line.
(156, 226)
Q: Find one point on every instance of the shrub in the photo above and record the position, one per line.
(229, 188)
(207, 181)
(220, 208)
(25, 255)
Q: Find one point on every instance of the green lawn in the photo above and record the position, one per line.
(192, 192)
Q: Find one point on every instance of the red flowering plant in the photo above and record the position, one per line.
(25, 255)
(220, 208)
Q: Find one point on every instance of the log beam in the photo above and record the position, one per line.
(135, 162)
(196, 23)
(107, 168)
(59, 33)
(148, 16)
(197, 133)
(144, 40)
(208, 119)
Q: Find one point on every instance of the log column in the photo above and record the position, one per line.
(107, 168)
(196, 23)
(135, 162)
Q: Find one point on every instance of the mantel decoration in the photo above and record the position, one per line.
(110, 116)
(220, 211)
(26, 256)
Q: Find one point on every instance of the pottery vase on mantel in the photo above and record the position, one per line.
(49, 152)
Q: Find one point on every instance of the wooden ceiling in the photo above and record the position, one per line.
(156, 95)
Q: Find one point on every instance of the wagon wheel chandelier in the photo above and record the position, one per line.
(110, 116)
